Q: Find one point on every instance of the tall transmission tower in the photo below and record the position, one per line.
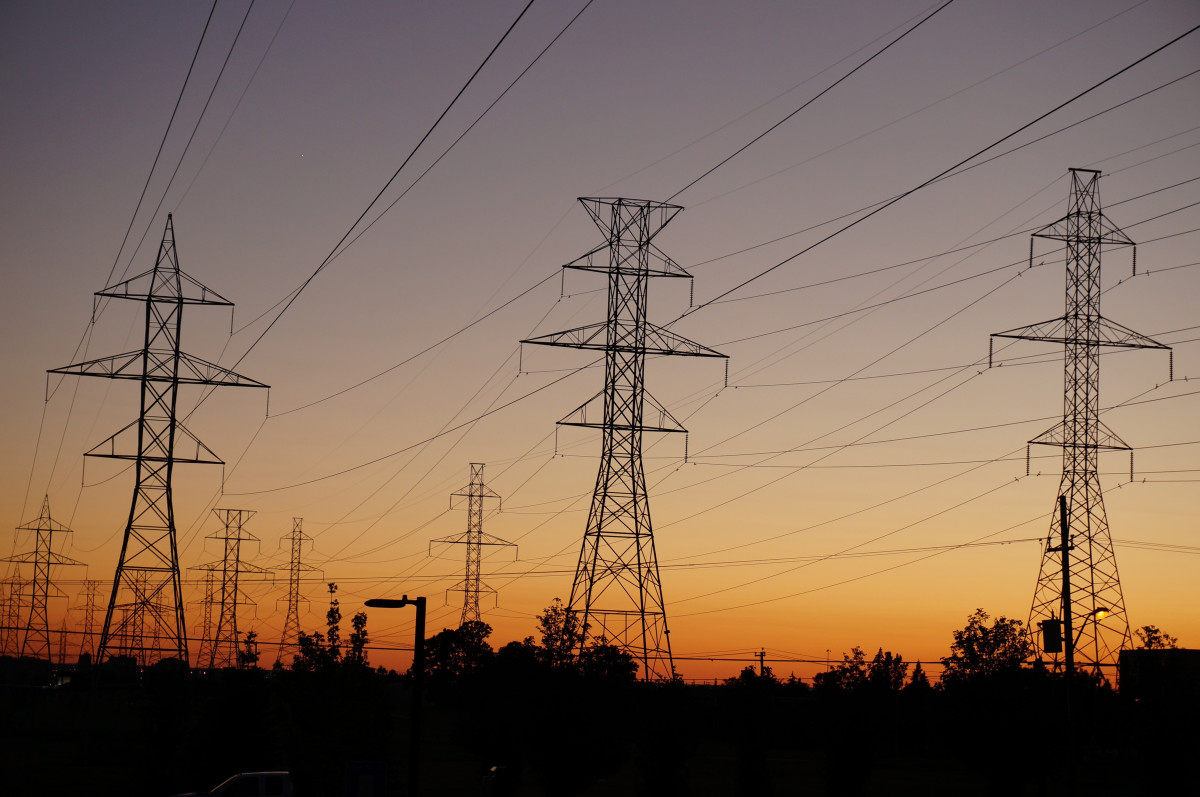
(289, 641)
(475, 493)
(617, 589)
(1078, 584)
(156, 442)
(225, 634)
(35, 631)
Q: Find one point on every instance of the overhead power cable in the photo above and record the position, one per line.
(941, 174)
(332, 252)
(818, 96)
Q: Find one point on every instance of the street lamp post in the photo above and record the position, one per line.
(418, 672)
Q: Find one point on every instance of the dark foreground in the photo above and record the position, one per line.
(167, 731)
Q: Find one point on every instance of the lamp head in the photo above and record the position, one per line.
(1101, 612)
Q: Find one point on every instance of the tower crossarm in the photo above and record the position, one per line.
(1108, 333)
(182, 289)
(654, 416)
(1062, 435)
(594, 337)
(187, 448)
(157, 365)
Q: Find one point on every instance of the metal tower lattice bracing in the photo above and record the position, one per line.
(87, 644)
(617, 591)
(145, 608)
(1085, 595)
(224, 651)
(289, 641)
(35, 624)
(476, 494)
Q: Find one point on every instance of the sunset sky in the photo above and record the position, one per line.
(852, 483)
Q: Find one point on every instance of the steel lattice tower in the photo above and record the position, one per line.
(225, 635)
(289, 640)
(205, 651)
(474, 538)
(1092, 571)
(156, 442)
(617, 589)
(13, 589)
(88, 593)
(35, 632)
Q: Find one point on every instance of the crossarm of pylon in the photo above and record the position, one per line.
(658, 265)
(159, 367)
(1110, 334)
(594, 337)
(1058, 435)
(191, 290)
(32, 556)
(1110, 234)
(124, 445)
(195, 371)
(118, 366)
(654, 410)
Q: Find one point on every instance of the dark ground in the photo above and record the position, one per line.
(167, 731)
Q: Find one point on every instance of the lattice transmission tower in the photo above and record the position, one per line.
(204, 650)
(289, 640)
(617, 591)
(10, 614)
(1078, 584)
(34, 630)
(226, 592)
(87, 642)
(475, 493)
(155, 442)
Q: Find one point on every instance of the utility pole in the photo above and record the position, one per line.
(617, 590)
(471, 586)
(155, 442)
(35, 632)
(289, 641)
(1087, 586)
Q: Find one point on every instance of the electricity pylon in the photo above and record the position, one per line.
(289, 641)
(35, 630)
(205, 651)
(474, 538)
(88, 593)
(617, 590)
(153, 442)
(1082, 591)
(10, 644)
(224, 641)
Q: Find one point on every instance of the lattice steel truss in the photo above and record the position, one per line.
(475, 493)
(290, 639)
(35, 628)
(87, 642)
(227, 594)
(1094, 583)
(145, 608)
(617, 589)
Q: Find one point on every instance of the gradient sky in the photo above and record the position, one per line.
(636, 99)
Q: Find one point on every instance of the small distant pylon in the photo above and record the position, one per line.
(474, 538)
(155, 442)
(63, 636)
(35, 630)
(289, 641)
(204, 651)
(617, 591)
(1083, 591)
(87, 644)
(10, 614)
(225, 637)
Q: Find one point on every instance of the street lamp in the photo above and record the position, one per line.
(418, 671)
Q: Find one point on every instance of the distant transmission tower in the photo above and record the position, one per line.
(617, 589)
(474, 538)
(289, 641)
(1083, 591)
(89, 592)
(225, 634)
(204, 652)
(148, 550)
(35, 628)
(10, 639)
